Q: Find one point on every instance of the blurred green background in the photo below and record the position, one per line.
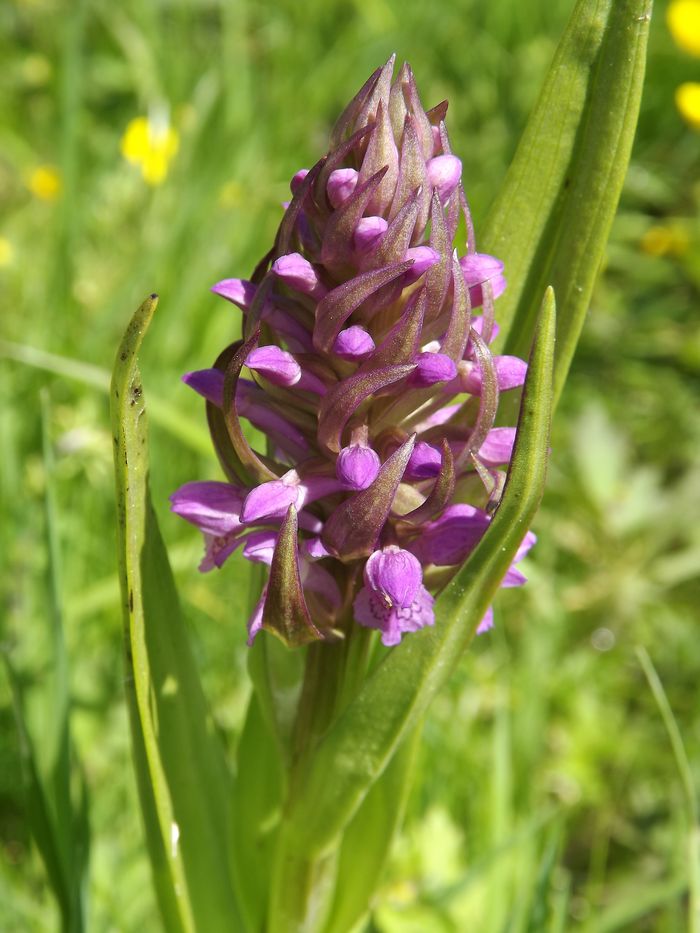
(147, 147)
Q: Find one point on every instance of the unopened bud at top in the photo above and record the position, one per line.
(341, 184)
(444, 173)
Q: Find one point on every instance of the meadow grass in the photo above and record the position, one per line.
(558, 772)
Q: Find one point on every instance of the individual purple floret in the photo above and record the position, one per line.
(364, 366)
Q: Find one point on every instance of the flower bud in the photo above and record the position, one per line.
(423, 257)
(357, 466)
(353, 344)
(425, 462)
(276, 365)
(341, 184)
(368, 231)
(296, 181)
(479, 268)
(510, 374)
(299, 274)
(431, 369)
(444, 173)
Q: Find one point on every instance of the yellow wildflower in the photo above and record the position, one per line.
(44, 182)
(150, 144)
(7, 252)
(683, 18)
(688, 103)
(663, 240)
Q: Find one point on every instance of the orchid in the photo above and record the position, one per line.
(367, 336)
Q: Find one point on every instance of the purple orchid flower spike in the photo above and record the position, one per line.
(363, 364)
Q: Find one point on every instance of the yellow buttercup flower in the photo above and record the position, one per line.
(664, 240)
(683, 18)
(44, 182)
(150, 144)
(7, 252)
(688, 103)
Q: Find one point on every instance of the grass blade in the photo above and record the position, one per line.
(551, 220)
(686, 776)
(164, 414)
(181, 771)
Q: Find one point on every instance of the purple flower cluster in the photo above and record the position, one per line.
(372, 381)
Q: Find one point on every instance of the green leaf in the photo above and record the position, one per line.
(367, 839)
(358, 746)
(551, 219)
(256, 805)
(181, 772)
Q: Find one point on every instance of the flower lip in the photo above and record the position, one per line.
(260, 546)
(371, 611)
(394, 575)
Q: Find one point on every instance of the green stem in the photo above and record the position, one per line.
(324, 666)
(303, 882)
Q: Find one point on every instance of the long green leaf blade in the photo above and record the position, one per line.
(181, 771)
(551, 219)
(358, 746)
(368, 837)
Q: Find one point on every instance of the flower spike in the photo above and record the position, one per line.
(373, 384)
